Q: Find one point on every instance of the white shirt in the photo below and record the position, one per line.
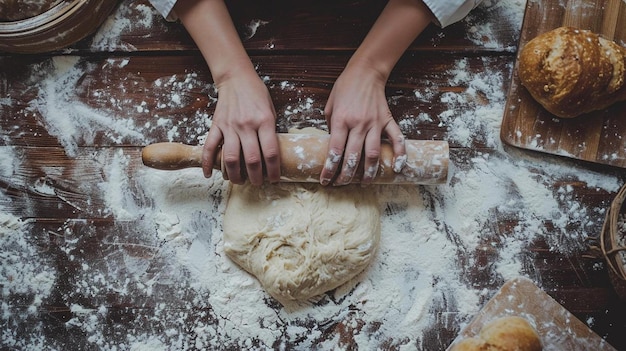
(164, 7)
(446, 12)
(450, 11)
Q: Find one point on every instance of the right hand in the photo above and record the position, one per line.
(244, 124)
(358, 115)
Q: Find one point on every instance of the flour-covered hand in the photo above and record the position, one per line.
(357, 112)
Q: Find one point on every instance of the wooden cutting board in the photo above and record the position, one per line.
(598, 137)
(557, 328)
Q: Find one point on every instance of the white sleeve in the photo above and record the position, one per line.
(450, 11)
(165, 8)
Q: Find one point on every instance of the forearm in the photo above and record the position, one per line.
(211, 27)
(395, 29)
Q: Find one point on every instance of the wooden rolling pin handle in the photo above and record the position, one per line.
(173, 156)
(303, 158)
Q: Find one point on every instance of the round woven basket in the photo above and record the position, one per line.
(55, 27)
(613, 243)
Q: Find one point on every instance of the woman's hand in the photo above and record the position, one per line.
(244, 118)
(357, 112)
(357, 115)
(244, 121)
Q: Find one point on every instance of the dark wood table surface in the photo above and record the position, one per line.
(52, 180)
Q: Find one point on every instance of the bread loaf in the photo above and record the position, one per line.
(510, 333)
(572, 71)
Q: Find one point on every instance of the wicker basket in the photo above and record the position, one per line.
(613, 248)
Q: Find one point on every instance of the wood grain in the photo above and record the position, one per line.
(594, 137)
(310, 24)
(55, 181)
(142, 81)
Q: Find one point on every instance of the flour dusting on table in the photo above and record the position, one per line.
(167, 237)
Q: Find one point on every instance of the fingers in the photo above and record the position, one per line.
(252, 158)
(271, 153)
(257, 152)
(393, 132)
(231, 156)
(349, 147)
(210, 151)
(351, 158)
(336, 147)
(343, 161)
(372, 158)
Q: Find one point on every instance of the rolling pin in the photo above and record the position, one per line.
(302, 158)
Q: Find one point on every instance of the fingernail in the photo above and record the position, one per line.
(325, 181)
(399, 163)
(352, 161)
(332, 160)
(371, 171)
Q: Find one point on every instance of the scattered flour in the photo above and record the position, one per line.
(167, 237)
(26, 280)
(481, 32)
(72, 121)
(108, 36)
(66, 118)
(252, 28)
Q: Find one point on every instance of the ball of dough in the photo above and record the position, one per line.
(470, 344)
(510, 333)
(301, 240)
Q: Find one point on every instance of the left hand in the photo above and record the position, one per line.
(358, 115)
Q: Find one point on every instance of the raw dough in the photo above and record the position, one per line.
(301, 240)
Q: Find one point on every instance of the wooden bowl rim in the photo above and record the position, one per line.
(58, 27)
(52, 15)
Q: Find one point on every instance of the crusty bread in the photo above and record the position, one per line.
(510, 333)
(572, 71)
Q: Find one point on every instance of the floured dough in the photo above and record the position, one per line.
(301, 240)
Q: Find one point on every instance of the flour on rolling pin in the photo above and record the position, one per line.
(302, 158)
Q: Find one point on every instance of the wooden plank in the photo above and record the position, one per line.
(47, 183)
(130, 100)
(295, 26)
(595, 137)
(119, 101)
(104, 245)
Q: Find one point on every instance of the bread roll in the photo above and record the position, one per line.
(503, 334)
(470, 344)
(572, 71)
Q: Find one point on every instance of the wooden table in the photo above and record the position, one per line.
(54, 181)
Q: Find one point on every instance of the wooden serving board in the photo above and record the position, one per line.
(557, 328)
(598, 137)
